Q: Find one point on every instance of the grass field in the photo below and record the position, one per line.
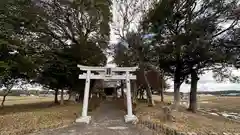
(17, 100)
(221, 103)
(229, 104)
(195, 122)
(22, 115)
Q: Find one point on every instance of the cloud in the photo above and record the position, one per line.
(208, 83)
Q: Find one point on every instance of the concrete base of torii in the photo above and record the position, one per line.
(129, 118)
(84, 119)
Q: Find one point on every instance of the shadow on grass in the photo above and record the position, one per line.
(29, 107)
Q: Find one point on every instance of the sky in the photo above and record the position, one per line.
(208, 83)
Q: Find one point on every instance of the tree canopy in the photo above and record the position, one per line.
(54, 36)
(186, 36)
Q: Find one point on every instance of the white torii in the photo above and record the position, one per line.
(107, 76)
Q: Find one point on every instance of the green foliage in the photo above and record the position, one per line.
(15, 63)
(186, 37)
(78, 34)
(124, 56)
(50, 38)
(16, 66)
(134, 50)
(231, 49)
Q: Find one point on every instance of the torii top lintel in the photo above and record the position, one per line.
(114, 69)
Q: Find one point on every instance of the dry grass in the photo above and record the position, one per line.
(16, 100)
(231, 104)
(168, 98)
(188, 122)
(35, 115)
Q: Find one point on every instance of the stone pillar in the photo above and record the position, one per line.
(84, 118)
(129, 117)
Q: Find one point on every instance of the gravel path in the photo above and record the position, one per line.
(106, 120)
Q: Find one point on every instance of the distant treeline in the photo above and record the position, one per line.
(220, 92)
(226, 92)
(27, 92)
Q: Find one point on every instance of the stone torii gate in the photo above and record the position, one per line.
(110, 74)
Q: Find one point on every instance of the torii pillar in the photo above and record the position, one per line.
(108, 75)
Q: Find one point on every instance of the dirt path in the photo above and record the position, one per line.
(106, 120)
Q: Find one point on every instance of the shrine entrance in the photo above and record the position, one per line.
(109, 91)
(107, 73)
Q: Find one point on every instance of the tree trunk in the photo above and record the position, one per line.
(134, 85)
(137, 94)
(90, 93)
(3, 100)
(162, 88)
(56, 97)
(81, 96)
(193, 92)
(148, 90)
(122, 89)
(142, 93)
(5, 95)
(72, 96)
(177, 85)
(62, 99)
(162, 97)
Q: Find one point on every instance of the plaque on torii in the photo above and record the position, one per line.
(110, 74)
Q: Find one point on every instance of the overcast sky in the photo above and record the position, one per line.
(208, 83)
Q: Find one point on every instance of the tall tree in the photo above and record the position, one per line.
(128, 15)
(185, 38)
(135, 51)
(61, 34)
(16, 63)
(19, 67)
